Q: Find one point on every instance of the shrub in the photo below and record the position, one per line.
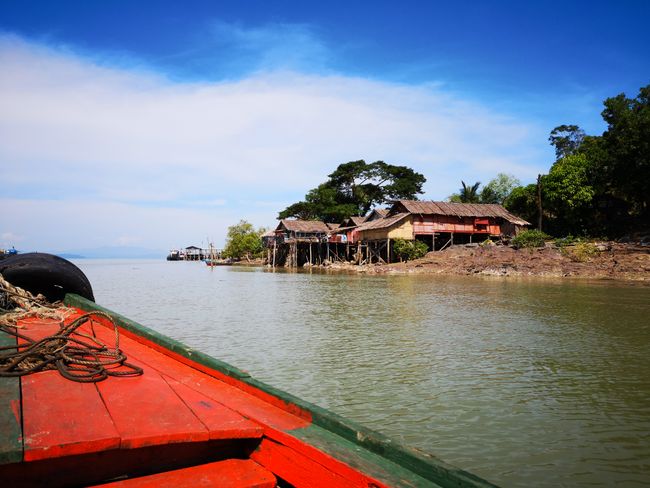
(530, 238)
(407, 250)
(580, 252)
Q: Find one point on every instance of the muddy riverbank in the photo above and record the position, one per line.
(606, 260)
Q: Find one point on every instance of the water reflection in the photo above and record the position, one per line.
(520, 381)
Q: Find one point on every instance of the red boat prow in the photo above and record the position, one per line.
(188, 420)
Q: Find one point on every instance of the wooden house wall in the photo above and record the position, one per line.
(400, 230)
(428, 224)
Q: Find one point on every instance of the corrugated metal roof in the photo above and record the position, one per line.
(381, 212)
(314, 226)
(357, 220)
(383, 223)
(459, 209)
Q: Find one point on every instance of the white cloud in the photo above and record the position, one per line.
(130, 145)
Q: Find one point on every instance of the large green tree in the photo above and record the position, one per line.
(622, 156)
(600, 184)
(354, 188)
(568, 195)
(243, 241)
(498, 189)
(522, 201)
(566, 139)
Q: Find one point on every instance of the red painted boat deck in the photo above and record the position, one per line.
(181, 423)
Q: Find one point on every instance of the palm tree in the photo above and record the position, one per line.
(469, 194)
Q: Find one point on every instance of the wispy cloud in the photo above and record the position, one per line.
(133, 145)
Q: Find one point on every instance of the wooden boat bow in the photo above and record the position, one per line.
(189, 417)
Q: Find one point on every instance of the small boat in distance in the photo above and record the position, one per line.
(175, 255)
(4, 253)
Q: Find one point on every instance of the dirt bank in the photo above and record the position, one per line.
(607, 260)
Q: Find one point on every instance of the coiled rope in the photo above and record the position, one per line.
(76, 355)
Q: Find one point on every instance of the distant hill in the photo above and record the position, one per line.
(123, 252)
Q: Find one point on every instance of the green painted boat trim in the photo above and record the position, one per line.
(11, 432)
(422, 464)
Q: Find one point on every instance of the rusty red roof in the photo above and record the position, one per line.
(457, 209)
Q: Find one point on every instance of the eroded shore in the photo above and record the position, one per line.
(611, 260)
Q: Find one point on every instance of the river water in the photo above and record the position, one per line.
(522, 382)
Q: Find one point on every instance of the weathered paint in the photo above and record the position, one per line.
(146, 411)
(11, 443)
(297, 468)
(402, 229)
(428, 224)
(231, 473)
(338, 440)
(64, 418)
(221, 421)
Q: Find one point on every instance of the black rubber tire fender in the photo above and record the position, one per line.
(48, 274)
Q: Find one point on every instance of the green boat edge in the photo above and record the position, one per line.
(419, 462)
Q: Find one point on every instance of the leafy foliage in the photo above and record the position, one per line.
(498, 189)
(408, 250)
(622, 159)
(522, 201)
(569, 194)
(469, 194)
(243, 241)
(566, 139)
(530, 238)
(354, 188)
(580, 252)
(598, 185)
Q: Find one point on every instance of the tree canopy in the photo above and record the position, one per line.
(496, 191)
(243, 241)
(598, 185)
(354, 188)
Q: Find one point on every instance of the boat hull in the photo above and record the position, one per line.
(282, 436)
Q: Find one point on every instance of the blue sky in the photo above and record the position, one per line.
(159, 124)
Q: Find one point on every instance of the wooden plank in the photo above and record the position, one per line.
(11, 435)
(63, 417)
(221, 422)
(146, 411)
(298, 469)
(231, 473)
(36, 329)
(234, 398)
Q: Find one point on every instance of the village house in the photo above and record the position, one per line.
(368, 239)
(437, 224)
(296, 242)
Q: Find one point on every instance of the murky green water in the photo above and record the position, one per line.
(526, 383)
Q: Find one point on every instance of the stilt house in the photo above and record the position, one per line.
(297, 242)
(438, 224)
